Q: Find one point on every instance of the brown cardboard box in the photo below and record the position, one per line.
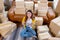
(54, 38)
(20, 11)
(42, 29)
(55, 26)
(6, 28)
(39, 21)
(42, 12)
(42, 9)
(57, 6)
(20, 4)
(29, 5)
(3, 18)
(44, 36)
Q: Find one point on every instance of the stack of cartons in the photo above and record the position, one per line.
(1, 5)
(42, 7)
(20, 9)
(29, 5)
(55, 26)
(39, 21)
(7, 28)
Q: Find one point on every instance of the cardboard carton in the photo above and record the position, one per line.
(39, 21)
(44, 36)
(55, 26)
(20, 11)
(42, 29)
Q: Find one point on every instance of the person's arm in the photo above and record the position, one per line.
(23, 22)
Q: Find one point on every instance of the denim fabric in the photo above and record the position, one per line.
(27, 32)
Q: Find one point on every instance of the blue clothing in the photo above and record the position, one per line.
(28, 32)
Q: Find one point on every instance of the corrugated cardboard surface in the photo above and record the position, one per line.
(42, 29)
(20, 11)
(55, 26)
(39, 21)
(44, 36)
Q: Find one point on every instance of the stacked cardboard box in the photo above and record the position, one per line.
(42, 29)
(7, 28)
(55, 26)
(3, 18)
(29, 5)
(57, 6)
(39, 21)
(44, 36)
(20, 9)
(1, 6)
(42, 8)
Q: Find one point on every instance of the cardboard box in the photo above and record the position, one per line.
(20, 11)
(42, 12)
(57, 6)
(39, 21)
(44, 36)
(29, 5)
(55, 26)
(54, 38)
(20, 4)
(6, 28)
(42, 29)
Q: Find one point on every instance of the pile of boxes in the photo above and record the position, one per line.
(20, 8)
(42, 7)
(29, 5)
(7, 28)
(55, 26)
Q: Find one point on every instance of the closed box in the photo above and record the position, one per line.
(56, 6)
(6, 28)
(20, 4)
(55, 26)
(42, 12)
(42, 29)
(39, 21)
(44, 36)
(20, 11)
(29, 5)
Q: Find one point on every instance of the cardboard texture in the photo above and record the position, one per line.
(55, 26)
(3, 18)
(7, 28)
(20, 4)
(20, 11)
(39, 21)
(44, 36)
(42, 29)
(29, 5)
(42, 9)
(57, 6)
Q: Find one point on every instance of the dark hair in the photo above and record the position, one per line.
(31, 15)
